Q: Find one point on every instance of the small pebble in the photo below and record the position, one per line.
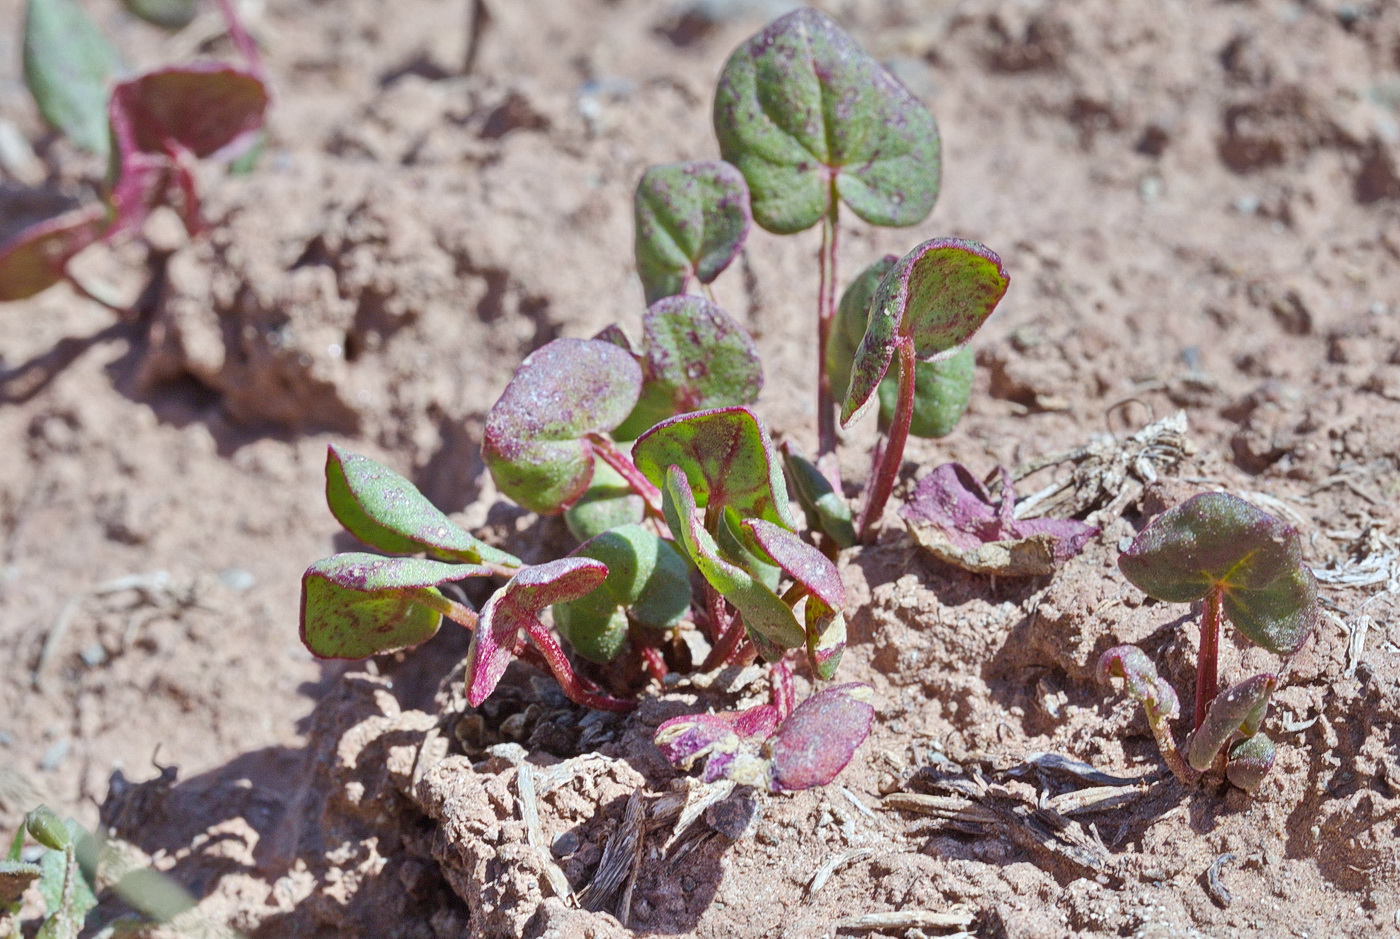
(237, 579)
(56, 754)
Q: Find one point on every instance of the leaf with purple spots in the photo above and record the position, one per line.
(691, 221)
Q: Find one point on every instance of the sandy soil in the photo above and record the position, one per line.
(1199, 206)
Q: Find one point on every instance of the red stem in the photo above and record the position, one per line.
(881, 484)
(241, 40)
(574, 687)
(826, 312)
(780, 677)
(654, 661)
(1207, 662)
(618, 460)
(727, 645)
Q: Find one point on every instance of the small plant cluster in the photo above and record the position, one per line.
(650, 450)
(1246, 566)
(151, 128)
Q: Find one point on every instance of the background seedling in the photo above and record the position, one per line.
(151, 127)
(1245, 565)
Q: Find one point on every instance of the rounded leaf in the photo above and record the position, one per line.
(936, 296)
(805, 113)
(1238, 711)
(695, 357)
(36, 258)
(691, 221)
(942, 392)
(607, 504)
(1250, 761)
(355, 605)
(167, 14)
(1216, 540)
(386, 511)
(536, 434)
(820, 736)
(208, 108)
(646, 575)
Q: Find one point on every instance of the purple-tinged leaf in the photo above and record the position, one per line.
(1140, 678)
(1216, 540)
(648, 581)
(820, 736)
(209, 109)
(1237, 712)
(691, 220)
(516, 608)
(1250, 761)
(770, 622)
(826, 595)
(67, 66)
(386, 511)
(695, 357)
(849, 325)
(728, 461)
(37, 258)
(806, 115)
(935, 297)
(357, 605)
(536, 442)
(826, 509)
(952, 515)
(715, 738)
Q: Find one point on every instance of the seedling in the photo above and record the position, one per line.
(806, 122)
(151, 127)
(1246, 566)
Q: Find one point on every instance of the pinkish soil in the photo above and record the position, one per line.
(1199, 206)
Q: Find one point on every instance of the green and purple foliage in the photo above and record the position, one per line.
(692, 219)
(152, 127)
(1247, 566)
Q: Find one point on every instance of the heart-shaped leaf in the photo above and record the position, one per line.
(608, 503)
(692, 219)
(942, 392)
(37, 258)
(953, 517)
(386, 511)
(68, 65)
(516, 608)
(209, 109)
(1237, 712)
(536, 442)
(934, 297)
(1250, 761)
(647, 578)
(770, 623)
(820, 736)
(694, 357)
(826, 509)
(826, 594)
(806, 116)
(1218, 541)
(728, 461)
(357, 605)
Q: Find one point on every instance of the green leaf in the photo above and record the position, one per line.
(728, 461)
(826, 509)
(37, 258)
(45, 827)
(826, 594)
(357, 605)
(386, 511)
(646, 576)
(769, 621)
(852, 317)
(935, 297)
(536, 442)
(68, 66)
(1216, 540)
(695, 356)
(516, 608)
(1238, 711)
(805, 114)
(691, 221)
(1250, 761)
(608, 503)
(68, 897)
(942, 392)
(167, 14)
(1157, 697)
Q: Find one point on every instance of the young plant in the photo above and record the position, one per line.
(67, 891)
(151, 128)
(1246, 566)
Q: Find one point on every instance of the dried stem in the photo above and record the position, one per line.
(1207, 677)
(881, 483)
